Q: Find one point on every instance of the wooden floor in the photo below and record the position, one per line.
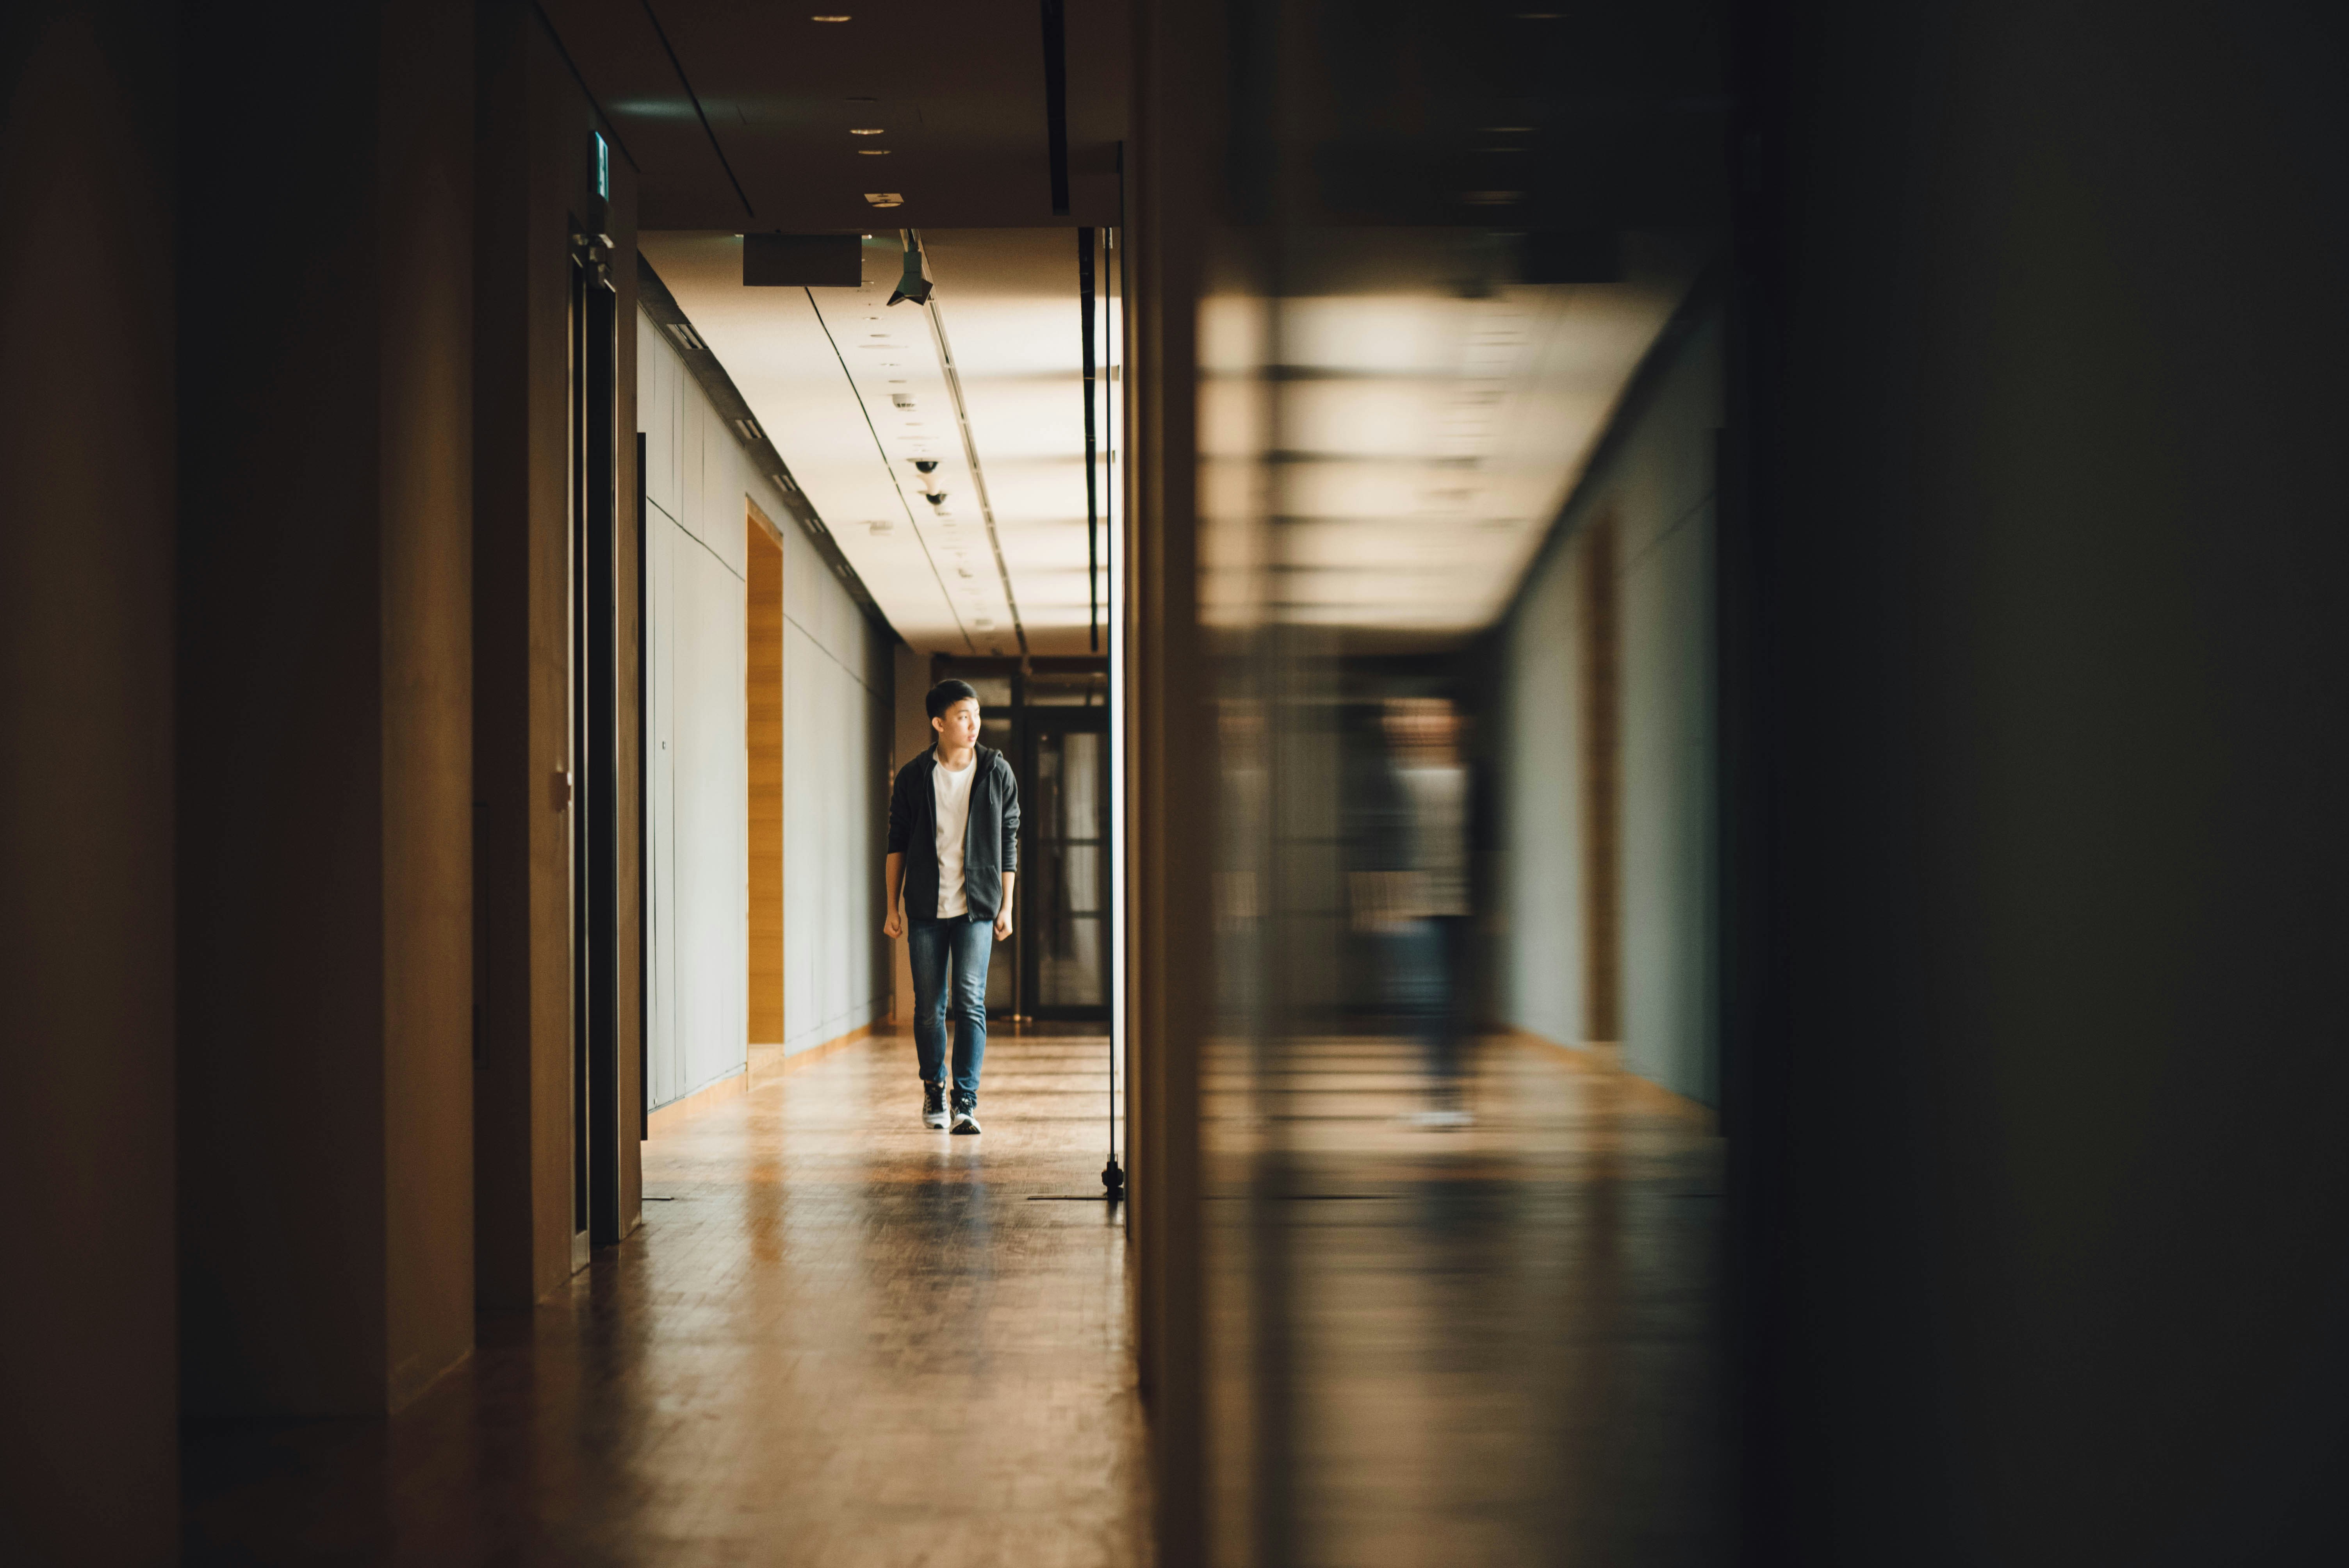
(1500, 1344)
(845, 1340)
(848, 1340)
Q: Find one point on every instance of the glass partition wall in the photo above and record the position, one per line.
(1463, 1300)
(1050, 718)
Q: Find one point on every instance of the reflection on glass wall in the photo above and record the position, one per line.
(1460, 402)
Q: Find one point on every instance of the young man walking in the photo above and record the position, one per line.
(954, 853)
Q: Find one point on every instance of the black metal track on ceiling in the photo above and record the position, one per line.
(1092, 500)
(1056, 102)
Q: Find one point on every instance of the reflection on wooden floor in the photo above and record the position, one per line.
(1494, 1346)
(846, 1340)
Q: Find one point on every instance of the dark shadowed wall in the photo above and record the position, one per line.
(2041, 743)
(324, 756)
(87, 1384)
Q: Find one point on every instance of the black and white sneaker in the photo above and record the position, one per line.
(966, 1115)
(934, 1105)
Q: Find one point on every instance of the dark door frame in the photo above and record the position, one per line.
(595, 673)
(1033, 723)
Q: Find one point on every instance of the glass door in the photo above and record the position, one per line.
(1065, 882)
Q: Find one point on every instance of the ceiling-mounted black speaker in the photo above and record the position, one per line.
(1573, 256)
(803, 260)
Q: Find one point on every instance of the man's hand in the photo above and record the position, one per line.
(892, 891)
(1003, 926)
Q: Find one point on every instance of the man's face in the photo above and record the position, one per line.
(958, 727)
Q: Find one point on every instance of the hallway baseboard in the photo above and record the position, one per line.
(765, 1064)
(1606, 1057)
(769, 1063)
(669, 1117)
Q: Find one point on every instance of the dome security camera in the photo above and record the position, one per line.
(925, 465)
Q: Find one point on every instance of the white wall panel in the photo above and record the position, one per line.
(1664, 588)
(664, 1074)
(712, 798)
(837, 674)
(1541, 881)
(656, 413)
(1657, 483)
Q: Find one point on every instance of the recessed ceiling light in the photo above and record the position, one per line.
(827, 18)
(884, 199)
(874, 130)
(872, 152)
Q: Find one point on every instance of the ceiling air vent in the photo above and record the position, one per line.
(902, 399)
(749, 429)
(685, 337)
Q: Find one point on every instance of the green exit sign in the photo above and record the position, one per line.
(603, 168)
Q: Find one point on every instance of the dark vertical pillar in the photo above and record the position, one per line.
(534, 141)
(2044, 1178)
(324, 755)
(88, 1381)
(1171, 751)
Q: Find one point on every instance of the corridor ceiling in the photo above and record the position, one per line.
(1431, 416)
(853, 394)
(746, 117)
(1417, 430)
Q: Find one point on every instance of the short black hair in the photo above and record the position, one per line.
(947, 693)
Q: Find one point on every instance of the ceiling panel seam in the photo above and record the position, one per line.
(562, 51)
(891, 468)
(971, 457)
(796, 625)
(699, 113)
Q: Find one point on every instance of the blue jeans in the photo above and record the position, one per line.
(930, 943)
(1427, 982)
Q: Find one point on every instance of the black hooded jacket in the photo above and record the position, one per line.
(990, 845)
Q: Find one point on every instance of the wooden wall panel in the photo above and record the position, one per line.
(764, 735)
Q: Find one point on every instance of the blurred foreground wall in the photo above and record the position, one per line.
(2039, 736)
(87, 1356)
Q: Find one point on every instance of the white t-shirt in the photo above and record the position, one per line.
(1439, 836)
(952, 791)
